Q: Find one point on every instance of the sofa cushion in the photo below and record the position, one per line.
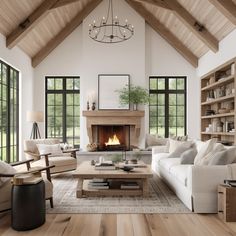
(159, 156)
(224, 157)
(188, 156)
(62, 161)
(180, 172)
(168, 163)
(206, 147)
(5, 168)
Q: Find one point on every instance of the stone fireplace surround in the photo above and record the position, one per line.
(114, 117)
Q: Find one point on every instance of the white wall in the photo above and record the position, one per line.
(227, 51)
(19, 60)
(164, 60)
(145, 54)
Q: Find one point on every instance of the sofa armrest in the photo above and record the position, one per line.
(203, 179)
(159, 149)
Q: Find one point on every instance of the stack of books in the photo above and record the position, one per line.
(98, 184)
(129, 185)
(106, 165)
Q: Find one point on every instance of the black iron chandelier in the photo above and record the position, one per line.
(110, 30)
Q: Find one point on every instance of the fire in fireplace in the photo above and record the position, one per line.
(113, 137)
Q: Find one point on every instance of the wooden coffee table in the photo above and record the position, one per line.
(86, 172)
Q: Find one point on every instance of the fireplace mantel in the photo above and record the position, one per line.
(113, 117)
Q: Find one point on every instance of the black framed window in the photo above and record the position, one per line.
(63, 109)
(9, 113)
(167, 107)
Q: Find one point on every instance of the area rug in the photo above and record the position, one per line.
(161, 200)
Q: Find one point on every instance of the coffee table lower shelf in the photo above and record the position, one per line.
(84, 191)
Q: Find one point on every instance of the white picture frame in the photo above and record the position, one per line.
(108, 97)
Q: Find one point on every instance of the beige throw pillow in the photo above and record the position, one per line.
(5, 168)
(218, 147)
(224, 157)
(54, 149)
(206, 147)
(155, 140)
(179, 146)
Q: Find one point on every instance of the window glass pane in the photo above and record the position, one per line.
(50, 84)
(172, 99)
(153, 121)
(161, 131)
(180, 131)
(69, 99)
(76, 99)
(161, 111)
(58, 99)
(161, 121)
(153, 99)
(180, 99)
(161, 84)
(180, 84)
(180, 121)
(180, 111)
(161, 99)
(76, 111)
(172, 121)
(153, 84)
(58, 84)
(172, 110)
(153, 130)
(69, 84)
(69, 111)
(153, 110)
(172, 131)
(76, 84)
(50, 100)
(172, 84)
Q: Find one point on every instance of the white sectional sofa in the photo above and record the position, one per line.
(195, 185)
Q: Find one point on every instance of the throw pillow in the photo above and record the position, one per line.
(206, 147)
(5, 168)
(54, 149)
(180, 138)
(187, 157)
(180, 149)
(225, 157)
(155, 140)
(181, 145)
(217, 148)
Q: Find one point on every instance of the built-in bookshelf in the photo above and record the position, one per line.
(218, 101)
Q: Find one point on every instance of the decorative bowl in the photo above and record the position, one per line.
(127, 168)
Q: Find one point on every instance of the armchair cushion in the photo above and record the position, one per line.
(5, 169)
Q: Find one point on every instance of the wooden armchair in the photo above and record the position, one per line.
(64, 161)
(5, 187)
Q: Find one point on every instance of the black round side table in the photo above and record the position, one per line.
(28, 206)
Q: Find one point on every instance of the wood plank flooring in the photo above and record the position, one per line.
(125, 225)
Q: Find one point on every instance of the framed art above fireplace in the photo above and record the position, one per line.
(108, 97)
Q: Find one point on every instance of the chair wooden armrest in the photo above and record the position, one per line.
(27, 162)
(71, 151)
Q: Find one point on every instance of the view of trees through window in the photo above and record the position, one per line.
(9, 113)
(167, 107)
(63, 109)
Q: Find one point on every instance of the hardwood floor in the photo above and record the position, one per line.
(126, 224)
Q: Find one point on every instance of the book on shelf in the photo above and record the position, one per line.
(98, 184)
(97, 180)
(98, 187)
(129, 185)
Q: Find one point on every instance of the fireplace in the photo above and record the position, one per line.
(113, 137)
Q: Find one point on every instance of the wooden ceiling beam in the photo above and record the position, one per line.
(61, 3)
(159, 3)
(227, 8)
(193, 25)
(24, 27)
(164, 32)
(69, 28)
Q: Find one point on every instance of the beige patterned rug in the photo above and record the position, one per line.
(162, 200)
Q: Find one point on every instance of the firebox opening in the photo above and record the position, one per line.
(113, 137)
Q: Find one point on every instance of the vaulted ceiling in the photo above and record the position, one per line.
(192, 27)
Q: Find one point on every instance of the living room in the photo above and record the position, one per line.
(62, 84)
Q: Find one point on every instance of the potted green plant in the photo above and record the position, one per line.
(133, 95)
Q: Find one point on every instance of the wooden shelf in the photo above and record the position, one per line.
(220, 82)
(219, 133)
(228, 71)
(217, 100)
(218, 115)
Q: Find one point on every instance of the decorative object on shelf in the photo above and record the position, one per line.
(108, 99)
(92, 147)
(209, 112)
(134, 95)
(93, 106)
(223, 110)
(110, 30)
(35, 116)
(212, 80)
(210, 95)
(88, 106)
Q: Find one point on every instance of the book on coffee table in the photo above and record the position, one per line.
(129, 185)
